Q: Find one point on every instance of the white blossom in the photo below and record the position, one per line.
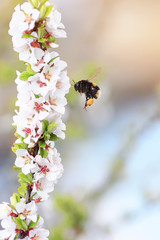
(40, 99)
(39, 234)
(28, 210)
(42, 187)
(44, 168)
(6, 211)
(24, 160)
(54, 25)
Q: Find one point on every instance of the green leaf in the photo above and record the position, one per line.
(46, 136)
(16, 236)
(37, 96)
(15, 168)
(25, 75)
(53, 137)
(31, 2)
(45, 125)
(43, 152)
(52, 59)
(22, 189)
(19, 146)
(25, 178)
(27, 36)
(29, 70)
(21, 224)
(42, 144)
(35, 3)
(15, 199)
(42, 2)
(40, 32)
(45, 11)
(42, 40)
(51, 39)
(12, 207)
(51, 127)
(33, 224)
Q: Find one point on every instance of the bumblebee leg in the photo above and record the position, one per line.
(85, 106)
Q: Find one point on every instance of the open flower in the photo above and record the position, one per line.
(42, 187)
(39, 234)
(23, 19)
(10, 229)
(6, 211)
(54, 25)
(24, 160)
(27, 211)
(52, 171)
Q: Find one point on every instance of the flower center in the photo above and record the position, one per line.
(41, 84)
(52, 101)
(38, 107)
(39, 62)
(26, 47)
(35, 237)
(47, 76)
(25, 213)
(27, 130)
(44, 169)
(38, 185)
(29, 18)
(59, 85)
(38, 200)
(27, 159)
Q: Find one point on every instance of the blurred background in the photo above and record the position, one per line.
(110, 189)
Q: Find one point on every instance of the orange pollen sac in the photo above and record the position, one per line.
(29, 18)
(94, 85)
(90, 102)
(47, 76)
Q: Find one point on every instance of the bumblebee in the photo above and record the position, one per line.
(90, 89)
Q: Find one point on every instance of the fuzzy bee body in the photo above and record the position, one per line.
(91, 91)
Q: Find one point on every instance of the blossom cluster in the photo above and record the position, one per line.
(35, 27)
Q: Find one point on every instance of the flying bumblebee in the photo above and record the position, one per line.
(90, 89)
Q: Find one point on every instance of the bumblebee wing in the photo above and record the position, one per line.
(98, 70)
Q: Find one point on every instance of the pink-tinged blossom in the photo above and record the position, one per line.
(10, 229)
(27, 211)
(54, 25)
(42, 187)
(6, 211)
(51, 171)
(28, 17)
(39, 234)
(24, 160)
(40, 58)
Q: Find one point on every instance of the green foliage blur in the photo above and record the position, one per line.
(72, 218)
